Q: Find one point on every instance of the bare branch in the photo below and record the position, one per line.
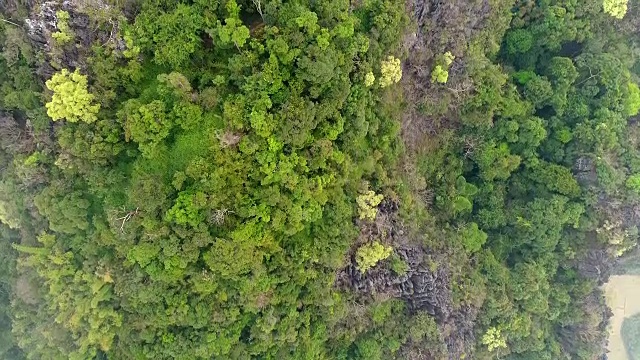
(127, 217)
(10, 22)
(258, 5)
(220, 215)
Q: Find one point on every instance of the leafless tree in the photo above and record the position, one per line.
(219, 216)
(13, 137)
(470, 144)
(258, 5)
(127, 217)
(228, 138)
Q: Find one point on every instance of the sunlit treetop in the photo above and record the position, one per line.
(391, 71)
(615, 8)
(71, 100)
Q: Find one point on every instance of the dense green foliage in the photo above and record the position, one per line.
(197, 180)
(203, 206)
(545, 144)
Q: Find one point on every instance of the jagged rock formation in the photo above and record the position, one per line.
(423, 288)
(447, 25)
(426, 285)
(43, 22)
(442, 26)
(584, 170)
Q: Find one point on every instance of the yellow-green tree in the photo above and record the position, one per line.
(64, 33)
(494, 339)
(615, 8)
(441, 71)
(71, 100)
(633, 101)
(369, 79)
(391, 71)
(367, 204)
(367, 256)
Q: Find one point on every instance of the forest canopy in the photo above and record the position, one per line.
(324, 179)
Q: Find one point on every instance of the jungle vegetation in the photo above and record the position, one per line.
(328, 179)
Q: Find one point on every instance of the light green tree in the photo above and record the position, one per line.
(633, 183)
(369, 79)
(494, 339)
(64, 33)
(391, 71)
(473, 238)
(146, 124)
(615, 8)
(440, 73)
(132, 50)
(367, 204)
(633, 100)
(367, 256)
(233, 31)
(71, 100)
(186, 210)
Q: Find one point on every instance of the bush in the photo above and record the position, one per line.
(64, 34)
(369, 255)
(399, 266)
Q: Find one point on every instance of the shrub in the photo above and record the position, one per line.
(399, 266)
(64, 33)
(369, 255)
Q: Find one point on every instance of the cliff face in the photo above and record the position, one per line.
(85, 31)
(445, 27)
(448, 25)
(425, 286)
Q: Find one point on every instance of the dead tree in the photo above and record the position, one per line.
(258, 5)
(127, 217)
